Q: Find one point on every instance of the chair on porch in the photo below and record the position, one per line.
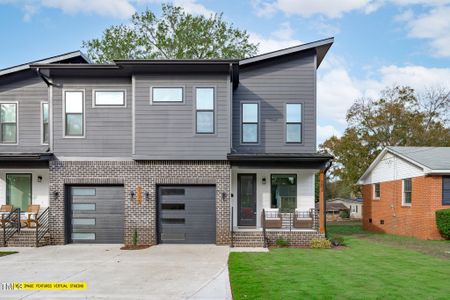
(30, 216)
(5, 210)
(303, 219)
(273, 218)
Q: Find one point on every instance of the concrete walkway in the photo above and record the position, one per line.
(160, 272)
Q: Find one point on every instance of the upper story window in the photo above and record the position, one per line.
(167, 94)
(407, 191)
(445, 190)
(293, 123)
(8, 121)
(109, 98)
(204, 106)
(74, 113)
(45, 128)
(376, 191)
(250, 123)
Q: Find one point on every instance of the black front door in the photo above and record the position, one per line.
(246, 199)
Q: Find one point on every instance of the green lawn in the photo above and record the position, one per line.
(4, 253)
(372, 266)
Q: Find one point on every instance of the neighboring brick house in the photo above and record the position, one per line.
(177, 151)
(403, 188)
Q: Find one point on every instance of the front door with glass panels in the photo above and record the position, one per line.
(18, 190)
(246, 199)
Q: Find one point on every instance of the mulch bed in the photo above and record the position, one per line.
(137, 247)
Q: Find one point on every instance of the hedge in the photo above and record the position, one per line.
(443, 222)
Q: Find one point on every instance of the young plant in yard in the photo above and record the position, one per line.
(443, 222)
(337, 241)
(320, 244)
(282, 242)
(135, 237)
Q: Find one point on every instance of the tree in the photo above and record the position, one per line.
(174, 35)
(400, 117)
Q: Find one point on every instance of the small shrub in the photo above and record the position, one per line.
(443, 222)
(320, 244)
(281, 242)
(135, 237)
(338, 241)
(345, 214)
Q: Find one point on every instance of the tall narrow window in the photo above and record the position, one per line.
(376, 191)
(8, 121)
(445, 190)
(293, 123)
(74, 113)
(204, 105)
(407, 191)
(18, 190)
(45, 129)
(250, 120)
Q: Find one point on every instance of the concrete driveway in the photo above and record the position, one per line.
(160, 272)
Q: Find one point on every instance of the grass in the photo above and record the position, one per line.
(4, 253)
(373, 266)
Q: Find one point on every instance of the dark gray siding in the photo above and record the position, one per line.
(107, 130)
(28, 90)
(273, 84)
(167, 131)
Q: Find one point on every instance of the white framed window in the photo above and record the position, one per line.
(293, 123)
(9, 123)
(407, 191)
(167, 94)
(109, 98)
(376, 191)
(204, 110)
(45, 131)
(74, 121)
(249, 122)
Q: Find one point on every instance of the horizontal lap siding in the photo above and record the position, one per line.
(28, 92)
(167, 131)
(108, 129)
(290, 79)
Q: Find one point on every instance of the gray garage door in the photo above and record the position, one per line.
(187, 214)
(96, 214)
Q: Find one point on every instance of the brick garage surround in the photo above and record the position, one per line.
(148, 175)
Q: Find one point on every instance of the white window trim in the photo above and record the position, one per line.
(214, 110)
(42, 123)
(183, 94)
(17, 123)
(403, 193)
(286, 143)
(94, 105)
(374, 197)
(241, 127)
(64, 113)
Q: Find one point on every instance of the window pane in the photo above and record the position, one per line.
(250, 112)
(205, 98)
(293, 133)
(249, 133)
(205, 121)
(83, 191)
(74, 102)
(45, 112)
(83, 206)
(80, 221)
(9, 133)
(167, 94)
(8, 113)
(284, 192)
(293, 113)
(110, 98)
(45, 133)
(74, 124)
(18, 190)
(407, 185)
(408, 197)
(83, 236)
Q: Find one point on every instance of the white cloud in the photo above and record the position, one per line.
(280, 38)
(325, 132)
(189, 6)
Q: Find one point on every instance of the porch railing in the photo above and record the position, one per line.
(42, 226)
(11, 225)
(290, 220)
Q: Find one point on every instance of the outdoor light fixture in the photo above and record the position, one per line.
(132, 195)
(56, 194)
(39, 178)
(147, 196)
(264, 180)
(224, 195)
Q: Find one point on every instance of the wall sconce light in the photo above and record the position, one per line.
(39, 179)
(56, 194)
(224, 196)
(132, 195)
(264, 180)
(147, 196)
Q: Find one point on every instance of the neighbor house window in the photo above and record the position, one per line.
(293, 123)
(284, 192)
(167, 94)
(18, 190)
(45, 128)
(204, 105)
(8, 120)
(109, 98)
(445, 190)
(74, 113)
(250, 120)
(376, 191)
(407, 191)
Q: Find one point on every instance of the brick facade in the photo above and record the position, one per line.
(417, 220)
(256, 239)
(148, 175)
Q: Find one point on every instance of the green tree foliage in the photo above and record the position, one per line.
(174, 35)
(400, 117)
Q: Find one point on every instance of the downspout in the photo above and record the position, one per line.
(324, 213)
(44, 78)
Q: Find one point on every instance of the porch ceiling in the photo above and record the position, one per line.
(6, 157)
(278, 160)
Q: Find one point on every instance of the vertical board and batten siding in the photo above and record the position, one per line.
(107, 129)
(167, 130)
(274, 83)
(28, 91)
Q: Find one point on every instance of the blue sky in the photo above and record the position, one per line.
(378, 43)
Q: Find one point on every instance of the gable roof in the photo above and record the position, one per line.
(321, 47)
(49, 60)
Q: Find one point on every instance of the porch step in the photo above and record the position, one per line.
(25, 238)
(286, 220)
(248, 239)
